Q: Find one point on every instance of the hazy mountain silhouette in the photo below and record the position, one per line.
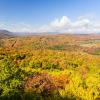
(6, 34)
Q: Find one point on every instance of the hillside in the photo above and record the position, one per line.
(50, 67)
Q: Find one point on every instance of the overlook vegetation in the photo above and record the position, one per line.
(50, 67)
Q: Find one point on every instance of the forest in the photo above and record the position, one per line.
(50, 67)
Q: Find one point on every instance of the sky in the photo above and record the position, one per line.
(70, 16)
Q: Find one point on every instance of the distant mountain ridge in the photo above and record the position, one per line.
(9, 34)
(6, 34)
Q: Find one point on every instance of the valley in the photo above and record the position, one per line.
(50, 67)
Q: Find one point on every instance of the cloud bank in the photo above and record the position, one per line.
(61, 25)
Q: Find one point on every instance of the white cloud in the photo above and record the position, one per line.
(64, 24)
(81, 25)
(60, 23)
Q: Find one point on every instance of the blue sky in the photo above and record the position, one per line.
(35, 13)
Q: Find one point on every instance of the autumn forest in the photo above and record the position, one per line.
(50, 67)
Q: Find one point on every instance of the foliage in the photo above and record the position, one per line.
(48, 70)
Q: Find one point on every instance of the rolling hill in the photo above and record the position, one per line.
(55, 66)
(5, 34)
